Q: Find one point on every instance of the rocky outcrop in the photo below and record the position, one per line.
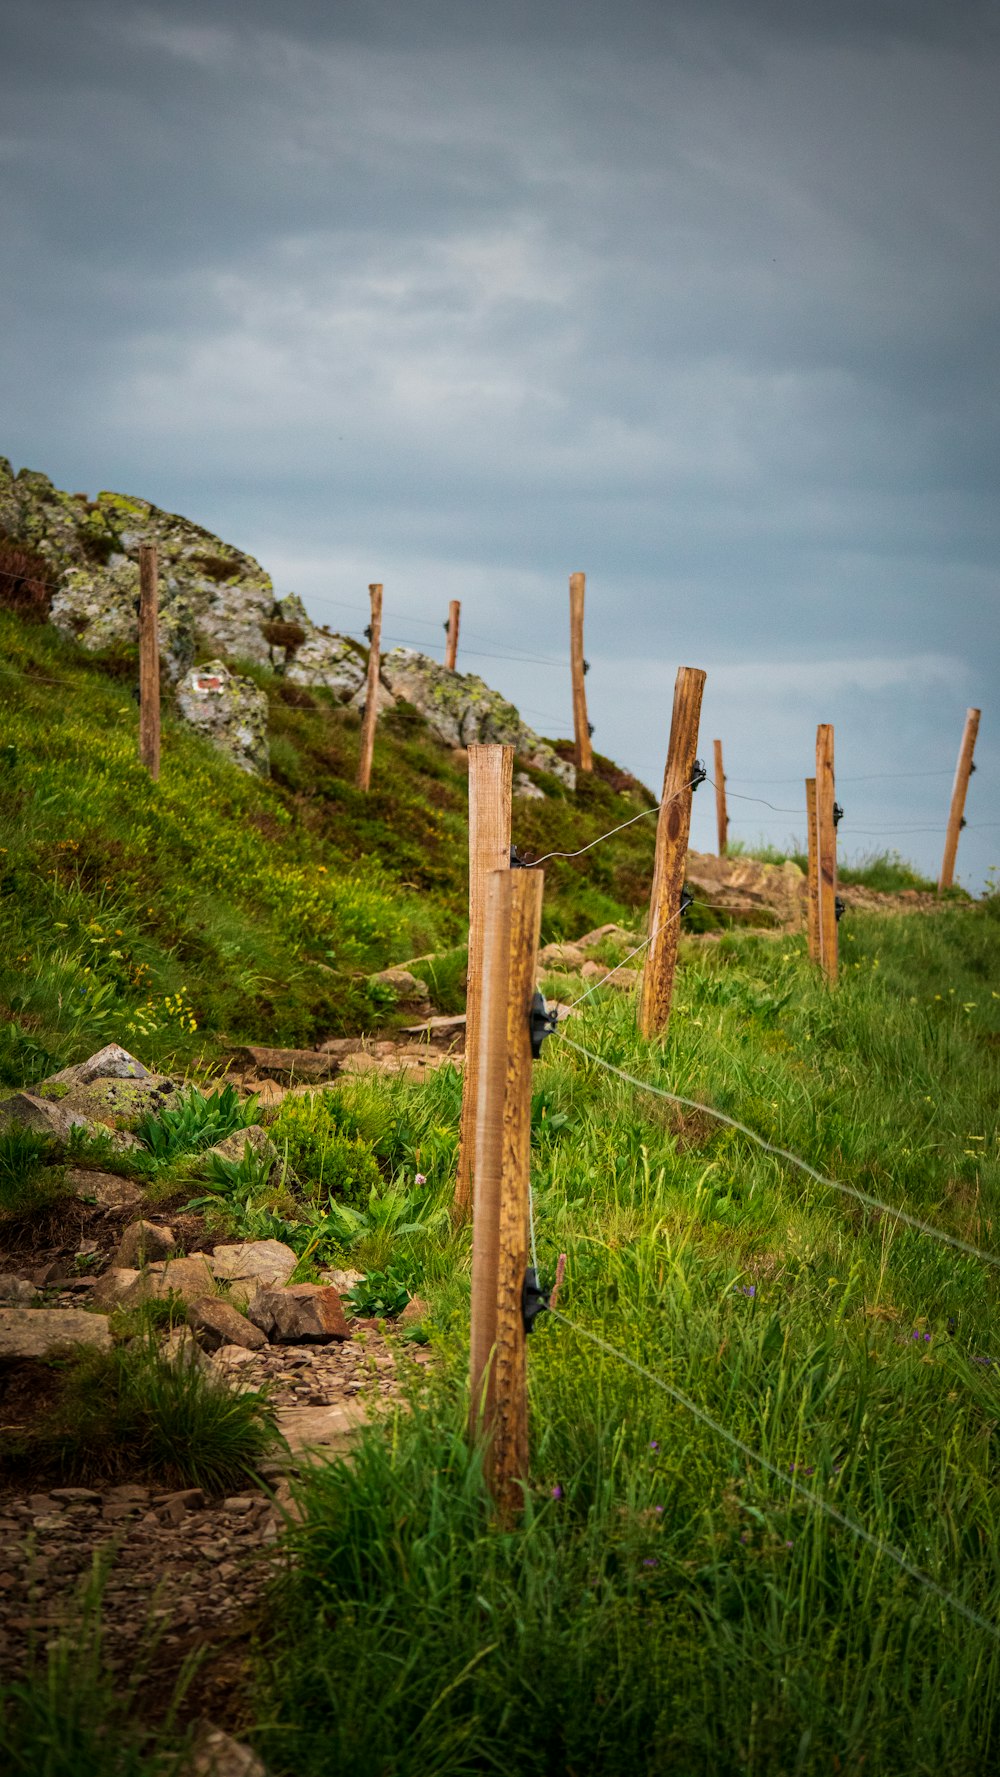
(217, 607)
(230, 711)
(743, 886)
(461, 710)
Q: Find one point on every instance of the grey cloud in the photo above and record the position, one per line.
(699, 297)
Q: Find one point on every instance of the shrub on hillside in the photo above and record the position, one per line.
(25, 582)
(321, 1155)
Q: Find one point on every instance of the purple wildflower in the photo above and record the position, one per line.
(651, 1561)
(420, 1178)
(557, 1492)
(653, 1445)
(658, 1510)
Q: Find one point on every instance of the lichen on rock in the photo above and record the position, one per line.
(231, 712)
(461, 710)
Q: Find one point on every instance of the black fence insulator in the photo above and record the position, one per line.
(516, 860)
(838, 814)
(368, 631)
(586, 668)
(972, 766)
(839, 908)
(534, 1301)
(687, 900)
(446, 626)
(590, 728)
(136, 603)
(963, 822)
(698, 774)
(542, 1024)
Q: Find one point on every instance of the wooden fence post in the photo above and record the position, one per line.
(956, 816)
(826, 848)
(812, 875)
(149, 661)
(370, 719)
(672, 829)
(503, 1157)
(491, 777)
(578, 667)
(451, 645)
(721, 814)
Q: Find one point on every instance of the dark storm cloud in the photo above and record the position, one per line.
(701, 297)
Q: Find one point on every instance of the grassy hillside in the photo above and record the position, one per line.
(666, 1603)
(214, 906)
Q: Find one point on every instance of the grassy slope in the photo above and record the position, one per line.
(666, 1605)
(734, 1629)
(215, 906)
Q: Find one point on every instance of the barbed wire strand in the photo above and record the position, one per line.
(863, 1197)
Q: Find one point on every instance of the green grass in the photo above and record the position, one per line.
(213, 907)
(665, 1603)
(71, 1716)
(125, 1414)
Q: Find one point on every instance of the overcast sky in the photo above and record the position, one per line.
(462, 295)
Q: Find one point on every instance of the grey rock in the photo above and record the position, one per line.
(253, 1137)
(218, 1323)
(113, 1285)
(187, 1278)
(524, 790)
(103, 1188)
(15, 1291)
(231, 712)
(110, 1063)
(301, 1314)
(143, 1242)
(42, 1332)
(461, 709)
(181, 1348)
(25, 1110)
(217, 1754)
(254, 1262)
(331, 661)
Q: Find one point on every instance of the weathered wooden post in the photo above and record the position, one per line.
(498, 1375)
(812, 875)
(149, 660)
(826, 847)
(451, 645)
(370, 719)
(578, 668)
(721, 813)
(956, 815)
(491, 777)
(672, 829)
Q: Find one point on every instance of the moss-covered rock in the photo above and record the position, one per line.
(230, 711)
(462, 711)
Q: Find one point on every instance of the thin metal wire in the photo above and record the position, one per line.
(646, 812)
(863, 1197)
(625, 959)
(880, 1546)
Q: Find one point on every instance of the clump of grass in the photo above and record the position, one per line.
(195, 1121)
(27, 1179)
(128, 1414)
(325, 1160)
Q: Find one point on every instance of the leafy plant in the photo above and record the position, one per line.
(381, 1294)
(195, 1121)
